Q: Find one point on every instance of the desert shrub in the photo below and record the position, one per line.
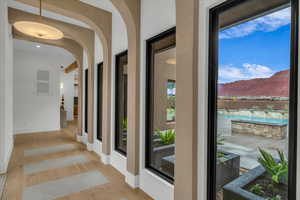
(124, 124)
(277, 170)
(257, 189)
(167, 137)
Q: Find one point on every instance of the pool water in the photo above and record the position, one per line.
(254, 119)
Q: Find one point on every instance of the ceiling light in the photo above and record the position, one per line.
(171, 61)
(39, 30)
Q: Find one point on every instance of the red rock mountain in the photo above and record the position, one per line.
(275, 86)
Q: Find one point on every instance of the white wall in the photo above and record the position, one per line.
(32, 112)
(156, 16)
(119, 44)
(6, 84)
(203, 95)
(85, 66)
(97, 146)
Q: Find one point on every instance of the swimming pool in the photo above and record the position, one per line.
(254, 119)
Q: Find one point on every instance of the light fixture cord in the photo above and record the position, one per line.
(40, 7)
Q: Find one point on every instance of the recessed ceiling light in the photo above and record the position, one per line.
(38, 46)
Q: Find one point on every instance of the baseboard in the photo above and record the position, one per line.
(89, 146)
(78, 138)
(132, 180)
(28, 131)
(4, 166)
(105, 159)
(84, 138)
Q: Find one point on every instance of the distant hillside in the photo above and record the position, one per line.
(275, 86)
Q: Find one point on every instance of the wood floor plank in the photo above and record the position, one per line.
(17, 181)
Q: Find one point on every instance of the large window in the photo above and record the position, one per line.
(160, 102)
(100, 100)
(86, 79)
(252, 111)
(121, 102)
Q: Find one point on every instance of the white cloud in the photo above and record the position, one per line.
(230, 73)
(266, 23)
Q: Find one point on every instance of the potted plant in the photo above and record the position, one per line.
(164, 147)
(228, 166)
(266, 182)
(167, 137)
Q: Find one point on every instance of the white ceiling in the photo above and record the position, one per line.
(104, 4)
(48, 50)
(52, 15)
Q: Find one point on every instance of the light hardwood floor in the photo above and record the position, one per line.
(17, 181)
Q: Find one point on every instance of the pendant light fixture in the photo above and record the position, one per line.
(38, 29)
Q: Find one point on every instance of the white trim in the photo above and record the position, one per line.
(202, 98)
(89, 146)
(84, 138)
(4, 167)
(155, 186)
(78, 138)
(204, 7)
(119, 162)
(132, 180)
(97, 147)
(105, 159)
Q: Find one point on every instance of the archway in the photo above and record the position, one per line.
(101, 22)
(83, 36)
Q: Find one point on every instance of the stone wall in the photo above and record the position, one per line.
(268, 130)
(259, 103)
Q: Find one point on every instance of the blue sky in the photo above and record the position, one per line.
(255, 49)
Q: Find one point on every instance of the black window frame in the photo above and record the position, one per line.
(150, 51)
(99, 100)
(117, 82)
(86, 78)
(212, 97)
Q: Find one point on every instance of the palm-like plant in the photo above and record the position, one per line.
(167, 137)
(277, 170)
(124, 124)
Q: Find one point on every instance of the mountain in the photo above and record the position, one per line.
(275, 86)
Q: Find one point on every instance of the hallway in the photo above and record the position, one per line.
(53, 165)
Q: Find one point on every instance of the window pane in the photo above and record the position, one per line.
(100, 100)
(121, 103)
(86, 100)
(251, 113)
(161, 107)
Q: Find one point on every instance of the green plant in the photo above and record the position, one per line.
(220, 141)
(257, 189)
(171, 102)
(171, 112)
(167, 137)
(277, 170)
(124, 124)
(221, 155)
(277, 197)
